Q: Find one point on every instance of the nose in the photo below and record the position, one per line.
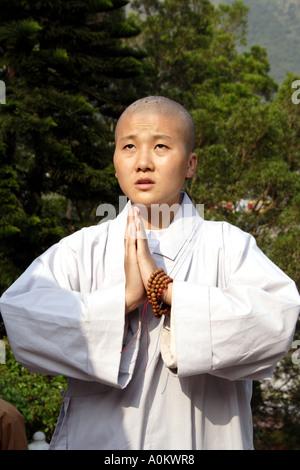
(144, 160)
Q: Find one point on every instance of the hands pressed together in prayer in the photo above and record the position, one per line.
(139, 263)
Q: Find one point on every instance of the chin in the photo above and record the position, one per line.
(147, 198)
(142, 198)
(143, 201)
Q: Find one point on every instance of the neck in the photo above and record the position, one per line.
(158, 216)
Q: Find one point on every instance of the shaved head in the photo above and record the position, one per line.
(166, 106)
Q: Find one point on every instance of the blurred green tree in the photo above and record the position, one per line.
(62, 63)
(37, 397)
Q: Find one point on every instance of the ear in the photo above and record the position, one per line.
(192, 165)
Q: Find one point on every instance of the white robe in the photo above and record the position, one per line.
(233, 317)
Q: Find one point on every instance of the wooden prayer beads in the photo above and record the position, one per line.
(157, 284)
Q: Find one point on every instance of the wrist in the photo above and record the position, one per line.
(132, 302)
(157, 287)
(167, 295)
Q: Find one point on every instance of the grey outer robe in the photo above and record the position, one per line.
(179, 385)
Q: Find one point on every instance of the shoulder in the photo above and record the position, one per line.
(225, 235)
(6, 409)
(231, 245)
(86, 236)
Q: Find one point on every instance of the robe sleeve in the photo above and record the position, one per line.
(57, 323)
(240, 330)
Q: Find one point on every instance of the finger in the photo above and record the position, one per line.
(131, 226)
(145, 260)
(140, 229)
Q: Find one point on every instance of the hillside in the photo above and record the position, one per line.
(275, 25)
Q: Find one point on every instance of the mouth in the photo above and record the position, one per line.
(144, 183)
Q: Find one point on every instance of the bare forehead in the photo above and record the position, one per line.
(157, 123)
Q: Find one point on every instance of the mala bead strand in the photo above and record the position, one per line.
(156, 286)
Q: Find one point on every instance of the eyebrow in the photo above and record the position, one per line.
(154, 137)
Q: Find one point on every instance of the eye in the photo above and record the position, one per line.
(161, 146)
(128, 146)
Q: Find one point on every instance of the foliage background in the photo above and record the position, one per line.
(275, 25)
(70, 69)
(38, 397)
